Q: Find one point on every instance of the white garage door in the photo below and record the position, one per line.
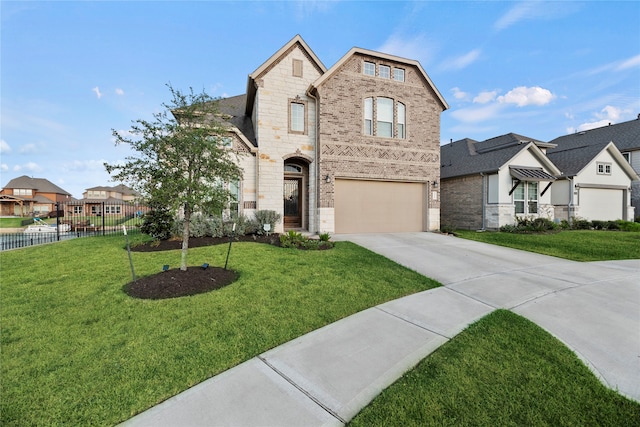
(600, 204)
(378, 206)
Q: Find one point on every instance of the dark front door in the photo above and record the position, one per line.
(292, 203)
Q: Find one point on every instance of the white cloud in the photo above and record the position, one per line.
(484, 97)
(119, 92)
(530, 10)
(84, 165)
(477, 114)
(458, 94)
(4, 147)
(608, 115)
(517, 13)
(29, 167)
(462, 61)
(522, 96)
(97, 92)
(629, 63)
(28, 149)
(4, 167)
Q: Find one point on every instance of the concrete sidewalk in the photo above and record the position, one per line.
(326, 377)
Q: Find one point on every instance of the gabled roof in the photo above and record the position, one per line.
(233, 111)
(39, 184)
(357, 50)
(469, 157)
(274, 59)
(572, 161)
(120, 188)
(573, 152)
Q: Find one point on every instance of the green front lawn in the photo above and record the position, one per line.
(76, 350)
(503, 370)
(577, 245)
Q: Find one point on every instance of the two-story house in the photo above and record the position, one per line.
(104, 200)
(352, 148)
(26, 196)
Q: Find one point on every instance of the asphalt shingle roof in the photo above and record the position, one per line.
(235, 107)
(467, 156)
(573, 152)
(40, 184)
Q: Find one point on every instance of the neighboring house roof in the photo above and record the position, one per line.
(233, 110)
(357, 50)
(120, 188)
(573, 152)
(469, 157)
(39, 184)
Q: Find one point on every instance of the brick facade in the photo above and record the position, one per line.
(461, 205)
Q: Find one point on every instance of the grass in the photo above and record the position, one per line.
(76, 350)
(577, 245)
(502, 370)
(11, 222)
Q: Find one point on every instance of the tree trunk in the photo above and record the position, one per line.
(185, 237)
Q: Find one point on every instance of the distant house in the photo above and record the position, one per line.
(26, 196)
(599, 173)
(488, 184)
(118, 200)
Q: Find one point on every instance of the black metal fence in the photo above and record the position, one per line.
(73, 220)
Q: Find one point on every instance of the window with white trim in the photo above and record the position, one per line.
(77, 209)
(22, 192)
(369, 68)
(525, 198)
(604, 168)
(401, 117)
(297, 118)
(368, 116)
(384, 71)
(398, 74)
(384, 117)
(627, 157)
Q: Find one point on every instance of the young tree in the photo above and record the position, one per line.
(183, 158)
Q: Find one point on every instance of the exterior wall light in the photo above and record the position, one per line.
(327, 179)
(435, 184)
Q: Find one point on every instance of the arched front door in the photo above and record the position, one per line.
(294, 195)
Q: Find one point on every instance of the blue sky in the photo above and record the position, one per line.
(72, 71)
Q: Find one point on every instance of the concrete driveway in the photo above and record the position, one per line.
(594, 308)
(326, 377)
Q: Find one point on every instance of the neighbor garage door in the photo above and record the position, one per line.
(378, 206)
(600, 204)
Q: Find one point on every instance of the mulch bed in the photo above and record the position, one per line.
(195, 280)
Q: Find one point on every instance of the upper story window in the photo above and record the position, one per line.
(398, 74)
(384, 71)
(386, 112)
(297, 117)
(22, 192)
(368, 116)
(627, 157)
(604, 168)
(97, 194)
(401, 120)
(384, 117)
(369, 68)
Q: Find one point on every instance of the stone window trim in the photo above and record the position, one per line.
(291, 105)
(370, 117)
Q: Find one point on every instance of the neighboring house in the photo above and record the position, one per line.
(488, 184)
(600, 173)
(118, 200)
(25, 196)
(352, 148)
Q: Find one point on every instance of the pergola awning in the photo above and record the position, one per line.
(530, 174)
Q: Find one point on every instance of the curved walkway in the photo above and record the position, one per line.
(326, 377)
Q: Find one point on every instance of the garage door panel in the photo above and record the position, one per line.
(378, 206)
(601, 204)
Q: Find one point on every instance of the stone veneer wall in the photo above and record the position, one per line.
(346, 152)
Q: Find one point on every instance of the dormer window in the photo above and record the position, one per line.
(369, 68)
(384, 71)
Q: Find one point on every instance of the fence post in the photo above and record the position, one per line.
(57, 221)
(103, 220)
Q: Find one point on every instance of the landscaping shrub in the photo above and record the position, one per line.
(266, 217)
(578, 223)
(293, 239)
(158, 223)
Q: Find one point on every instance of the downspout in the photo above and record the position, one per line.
(484, 205)
(570, 205)
(317, 164)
